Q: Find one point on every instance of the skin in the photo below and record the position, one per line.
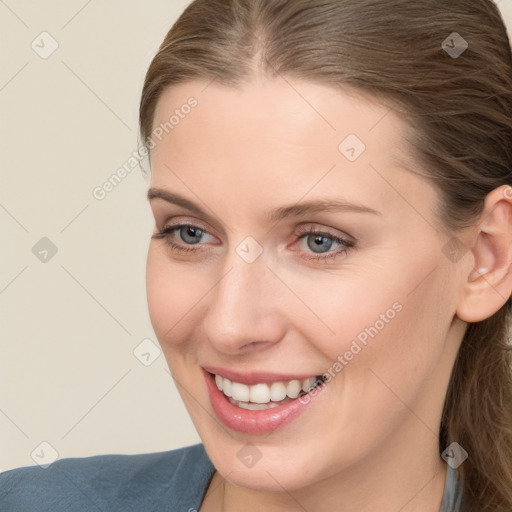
(369, 440)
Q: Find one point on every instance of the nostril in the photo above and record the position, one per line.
(256, 344)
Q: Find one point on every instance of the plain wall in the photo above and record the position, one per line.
(70, 321)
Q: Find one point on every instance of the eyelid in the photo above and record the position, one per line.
(181, 219)
(314, 227)
(177, 222)
(308, 228)
(346, 242)
(171, 232)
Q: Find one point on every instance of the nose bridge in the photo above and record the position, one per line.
(240, 292)
(243, 304)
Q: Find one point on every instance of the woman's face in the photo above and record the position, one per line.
(271, 284)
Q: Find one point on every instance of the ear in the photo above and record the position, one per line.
(488, 273)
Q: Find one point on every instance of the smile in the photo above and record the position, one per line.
(264, 396)
(262, 403)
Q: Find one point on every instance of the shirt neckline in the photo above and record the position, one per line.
(452, 494)
(453, 491)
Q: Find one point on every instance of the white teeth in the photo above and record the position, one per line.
(293, 388)
(263, 394)
(254, 407)
(239, 391)
(278, 391)
(308, 384)
(259, 394)
(226, 387)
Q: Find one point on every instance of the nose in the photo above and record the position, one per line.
(246, 308)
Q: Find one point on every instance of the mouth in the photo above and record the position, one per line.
(263, 402)
(262, 396)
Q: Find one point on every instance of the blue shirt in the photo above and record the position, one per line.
(173, 481)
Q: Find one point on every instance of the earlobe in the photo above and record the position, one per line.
(488, 281)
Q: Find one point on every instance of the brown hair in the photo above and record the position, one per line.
(459, 108)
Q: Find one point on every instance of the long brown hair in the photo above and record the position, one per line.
(446, 67)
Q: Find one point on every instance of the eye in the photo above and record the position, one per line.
(320, 244)
(187, 234)
(187, 238)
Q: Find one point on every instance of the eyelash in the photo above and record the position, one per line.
(346, 245)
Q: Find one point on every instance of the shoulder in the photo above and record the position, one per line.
(148, 481)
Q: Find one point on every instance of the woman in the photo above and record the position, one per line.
(330, 272)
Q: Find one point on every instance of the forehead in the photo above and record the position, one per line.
(273, 119)
(281, 138)
(279, 109)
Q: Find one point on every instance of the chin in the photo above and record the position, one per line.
(276, 468)
(267, 477)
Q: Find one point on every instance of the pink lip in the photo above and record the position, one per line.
(251, 378)
(252, 422)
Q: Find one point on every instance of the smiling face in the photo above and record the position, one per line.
(361, 291)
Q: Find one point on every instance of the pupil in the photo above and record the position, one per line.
(318, 241)
(194, 233)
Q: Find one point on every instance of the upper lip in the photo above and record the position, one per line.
(251, 378)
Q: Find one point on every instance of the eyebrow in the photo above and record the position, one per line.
(276, 215)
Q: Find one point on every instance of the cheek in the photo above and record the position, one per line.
(379, 317)
(346, 311)
(174, 295)
(386, 352)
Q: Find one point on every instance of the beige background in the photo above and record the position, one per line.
(70, 323)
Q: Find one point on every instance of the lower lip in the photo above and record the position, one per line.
(251, 422)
